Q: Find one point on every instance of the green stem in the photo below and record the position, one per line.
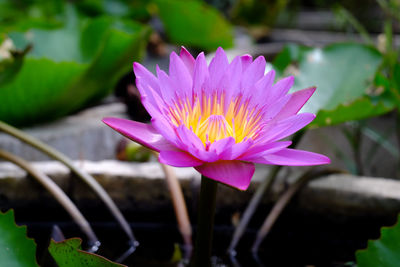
(205, 223)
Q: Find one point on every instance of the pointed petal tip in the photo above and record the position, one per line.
(142, 133)
(109, 120)
(200, 55)
(184, 51)
(220, 49)
(137, 66)
(293, 157)
(178, 159)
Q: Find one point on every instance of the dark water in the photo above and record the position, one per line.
(298, 239)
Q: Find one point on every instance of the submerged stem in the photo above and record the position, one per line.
(256, 199)
(58, 194)
(205, 223)
(180, 209)
(283, 201)
(88, 179)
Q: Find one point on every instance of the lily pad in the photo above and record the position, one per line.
(383, 252)
(342, 74)
(68, 253)
(16, 249)
(194, 23)
(69, 67)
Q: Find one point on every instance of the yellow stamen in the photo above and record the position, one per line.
(211, 121)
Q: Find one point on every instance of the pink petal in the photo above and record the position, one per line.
(200, 73)
(189, 138)
(258, 151)
(168, 89)
(264, 84)
(178, 159)
(262, 89)
(217, 68)
(280, 89)
(145, 77)
(296, 102)
(276, 107)
(232, 79)
(281, 129)
(191, 143)
(144, 134)
(147, 84)
(180, 76)
(221, 145)
(237, 174)
(164, 128)
(253, 73)
(246, 61)
(187, 59)
(235, 151)
(293, 157)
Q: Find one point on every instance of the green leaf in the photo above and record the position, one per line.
(16, 250)
(255, 12)
(383, 252)
(68, 253)
(358, 109)
(342, 74)
(69, 67)
(194, 23)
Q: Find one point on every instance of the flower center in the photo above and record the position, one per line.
(211, 118)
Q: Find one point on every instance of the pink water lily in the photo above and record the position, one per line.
(221, 118)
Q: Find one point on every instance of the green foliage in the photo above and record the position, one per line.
(69, 67)
(137, 10)
(68, 253)
(258, 12)
(383, 252)
(16, 250)
(194, 23)
(342, 74)
(136, 152)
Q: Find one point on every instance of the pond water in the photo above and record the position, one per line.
(298, 239)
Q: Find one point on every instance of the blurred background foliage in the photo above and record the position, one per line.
(57, 57)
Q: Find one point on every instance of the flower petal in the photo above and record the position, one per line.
(142, 133)
(217, 68)
(293, 157)
(236, 150)
(223, 144)
(164, 128)
(275, 108)
(231, 80)
(281, 129)
(144, 76)
(279, 89)
(296, 102)
(253, 73)
(187, 59)
(237, 174)
(200, 73)
(168, 91)
(180, 76)
(258, 151)
(246, 61)
(178, 159)
(147, 85)
(191, 143)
